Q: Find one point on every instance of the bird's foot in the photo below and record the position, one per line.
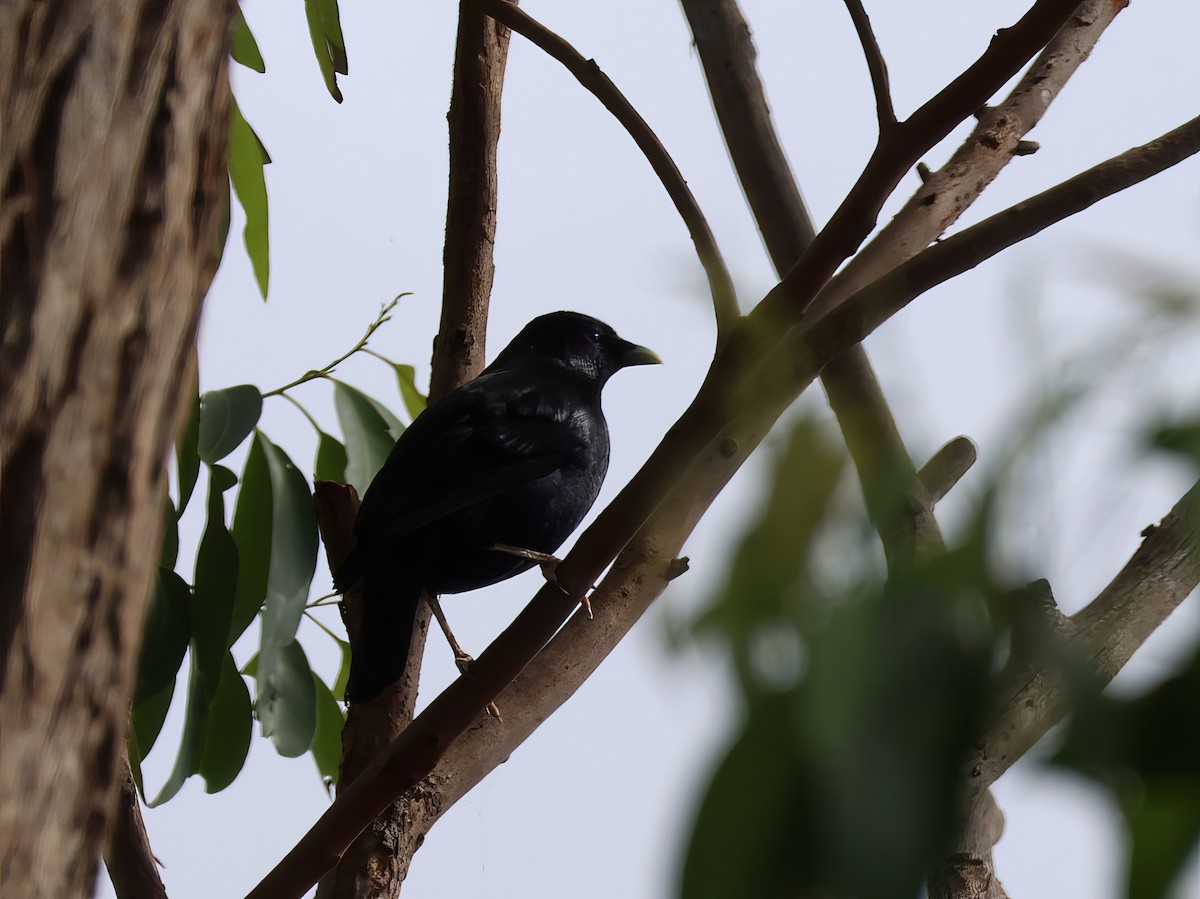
(462, 661)
(549, 565)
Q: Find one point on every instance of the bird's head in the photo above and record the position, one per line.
(583, 345)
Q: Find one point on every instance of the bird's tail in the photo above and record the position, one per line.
(379, 652)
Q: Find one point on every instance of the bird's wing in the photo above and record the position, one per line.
(495, 433)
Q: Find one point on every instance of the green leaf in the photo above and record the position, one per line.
(331, 460)
(252, 521)
(414, 400)
(192, 744)
(327, 742)
(343, 675)
(148, 717)
(216, 585)
(230, 723)
(245, 47)
(368, 434)
(227, 417)
(246, 158)
(169, 553)
(187, 456)
(287, 699)
(324, 27)
(164, 638)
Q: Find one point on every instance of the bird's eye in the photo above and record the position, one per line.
(593, 337)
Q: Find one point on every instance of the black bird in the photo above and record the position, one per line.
(514, 457)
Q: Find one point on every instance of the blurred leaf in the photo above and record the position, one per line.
(164, 639)
(148, 717)
(230, 722)
(331, 460)
(327, 742)
(287, 701)
(754, 833)
(325, 29)
(245, 47)
(187, 454)
(169, 553)
(395, 427)
(1146, 751)
(227, 417)
(250, 669)
(1181, 439)
(246, 158)
(216, 585)
(770, 568)
(192, 743)
(368, 435)
(252, 520)
(414, 400)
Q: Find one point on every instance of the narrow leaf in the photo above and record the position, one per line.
(321, 46)
(245, 48)
(367, 433)
(192, 744)
(164, 637)
(227, 417)
(331, 22)
(246, 158)
(187, 455)
(331, 460)
(169, 553)
(252, 521)
(414, 400)
(216, 585)
(287, 700)
(327, 741)
(230, 722)
(148, 717)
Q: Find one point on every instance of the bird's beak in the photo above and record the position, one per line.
(632, 354)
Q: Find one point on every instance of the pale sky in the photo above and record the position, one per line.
(596, 804)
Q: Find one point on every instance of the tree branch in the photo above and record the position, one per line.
(128, 857)
(378, 861)
(876, 65)
(588, 73)
(729, 417)
(947, 193)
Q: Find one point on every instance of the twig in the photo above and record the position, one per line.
(588, 73)
(876, 65)
(384, 316)
(944, 195)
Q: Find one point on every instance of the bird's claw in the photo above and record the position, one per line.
(549, 565)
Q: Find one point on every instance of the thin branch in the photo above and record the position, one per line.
(897, 152)
(1159, 576)
(385, 315)
(480, 58)
(588, 73)
(944, 195)
(876, 65)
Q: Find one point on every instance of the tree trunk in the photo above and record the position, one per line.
(112, 170)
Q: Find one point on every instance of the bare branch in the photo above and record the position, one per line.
(588, 73)
(1160, 575)
(944, 195)
(947, 467)
(896, 153)
(968, 871)
(131, 864)
(876, 65)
